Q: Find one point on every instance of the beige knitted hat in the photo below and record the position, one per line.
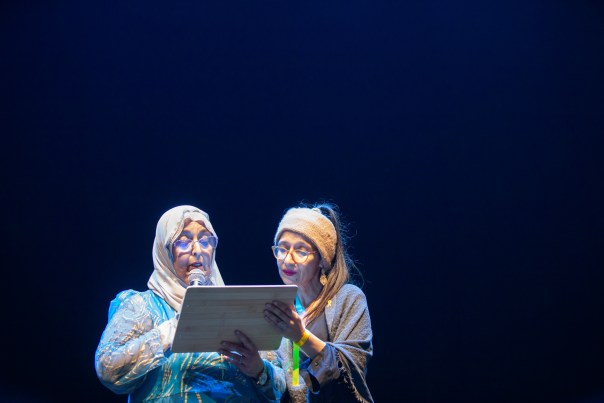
(314, 226)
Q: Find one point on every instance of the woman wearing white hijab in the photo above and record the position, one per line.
(134, 354)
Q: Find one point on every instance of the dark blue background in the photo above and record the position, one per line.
(462, 141)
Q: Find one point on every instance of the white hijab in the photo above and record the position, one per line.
(164, 281)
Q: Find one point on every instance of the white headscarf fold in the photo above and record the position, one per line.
(164, 281)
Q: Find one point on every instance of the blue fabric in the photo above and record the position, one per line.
(299, 307)
(130, 359)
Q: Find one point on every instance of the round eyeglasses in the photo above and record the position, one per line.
(204, 243)
(298, 255)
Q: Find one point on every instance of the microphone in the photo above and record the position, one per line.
(196, 278)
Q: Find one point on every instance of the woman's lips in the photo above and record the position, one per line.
(289, 272)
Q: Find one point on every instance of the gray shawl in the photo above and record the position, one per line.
(350, 336)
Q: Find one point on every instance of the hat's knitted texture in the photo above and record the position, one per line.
(314, 226)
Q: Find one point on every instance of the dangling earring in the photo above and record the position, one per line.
(323, 278)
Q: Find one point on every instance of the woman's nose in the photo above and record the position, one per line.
(196, 248)
(289, 259)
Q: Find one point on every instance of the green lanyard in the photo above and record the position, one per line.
(296, 349)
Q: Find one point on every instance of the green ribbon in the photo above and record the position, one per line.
(296, 367)
(296, 348)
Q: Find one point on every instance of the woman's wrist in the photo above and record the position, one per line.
(262, 376)
(312, 345)
(303, 339)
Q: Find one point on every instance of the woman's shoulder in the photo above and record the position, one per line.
(351, 291)
(348, 306)
(132, 297)
(131, 300)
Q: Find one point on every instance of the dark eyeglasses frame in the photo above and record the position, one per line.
(277, 247)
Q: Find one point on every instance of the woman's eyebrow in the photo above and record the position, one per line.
(189, 234)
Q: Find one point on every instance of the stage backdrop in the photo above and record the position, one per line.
(461, 140)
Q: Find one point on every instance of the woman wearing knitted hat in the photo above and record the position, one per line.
(134, 355)
(329, 329)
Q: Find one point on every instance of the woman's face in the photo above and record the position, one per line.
(193, 249)
(305, 275)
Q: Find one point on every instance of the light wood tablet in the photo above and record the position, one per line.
(211, 314)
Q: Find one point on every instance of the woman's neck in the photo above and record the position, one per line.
(308, 294)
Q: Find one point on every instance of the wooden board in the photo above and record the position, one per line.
(210, 315)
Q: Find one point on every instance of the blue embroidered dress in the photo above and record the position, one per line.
(130, 359)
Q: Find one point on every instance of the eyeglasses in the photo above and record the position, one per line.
(204, 243)
(298, 255)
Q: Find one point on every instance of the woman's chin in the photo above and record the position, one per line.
(287, 280)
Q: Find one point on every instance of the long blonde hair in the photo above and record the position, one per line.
(343, 269)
